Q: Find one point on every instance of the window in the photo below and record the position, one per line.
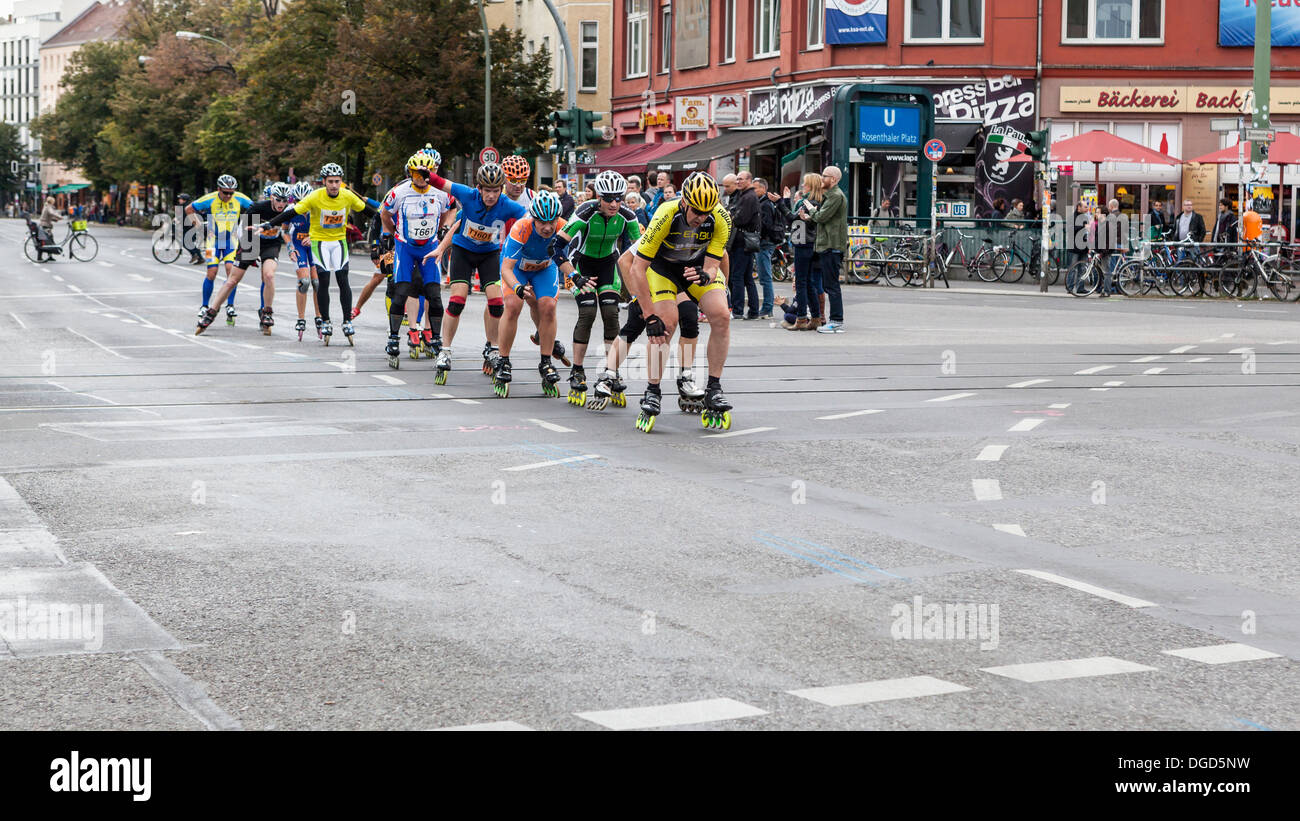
(767, 28)
(589, 57)
(665, 38)
(945, 20)
(815, 19)
(1114, 20)
(638, 20)
(728, 31)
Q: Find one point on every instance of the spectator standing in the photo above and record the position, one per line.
(1082, 240)
(774, 215)
(807, 280)
(1225, 225)
(832, 218)
(1159, 220)
(746, 237)
(657, 194)
(633, 200)
(49, 216)
(566, 200)
(1189, 224)
(1110, 240)
(728, 191)
(634, 185)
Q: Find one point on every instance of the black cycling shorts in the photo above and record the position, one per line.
(255, 256)
(465, 263)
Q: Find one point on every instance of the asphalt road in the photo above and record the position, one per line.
(264, 533)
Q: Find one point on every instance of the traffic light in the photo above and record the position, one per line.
(1038, 145)
(588, 133)
(564, 126)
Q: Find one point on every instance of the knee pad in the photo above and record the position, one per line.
(609, 316)
(496, 306)
(688, 319)
(303, 284)
(586, 318)
(455, 305)
(588, 298)
(635, 323)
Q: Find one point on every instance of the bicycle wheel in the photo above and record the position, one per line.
(1129, 278)
(1015, 268)
(1053, 270)
(29, 250)
(83, 247)
(875, 266)
(1162, 277)
(1279, 284)
(168, 249)
(999, 262)
(859, 264)
(898, 270)
(1081, 279)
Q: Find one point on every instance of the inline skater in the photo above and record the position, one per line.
(530, 276)
(600, 225)
(688, 234)
(298, 230)
(328, 208)
(221, 209)
(413, 211)
(475, 246)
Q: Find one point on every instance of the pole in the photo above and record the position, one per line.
(570, 73)
(1045, 209)
(487, 78)
(1241, 180)
(1263, 45)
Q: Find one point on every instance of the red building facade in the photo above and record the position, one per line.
(1149, 70)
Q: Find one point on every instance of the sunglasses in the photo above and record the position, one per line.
(225, 193)
(610, 197)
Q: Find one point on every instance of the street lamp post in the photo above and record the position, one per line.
(487, 72)
(194, 35)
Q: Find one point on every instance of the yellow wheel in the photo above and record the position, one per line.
(726, 420)
(440, 378)
(619, 399)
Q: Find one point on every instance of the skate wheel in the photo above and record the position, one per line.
(415, 354)
(645, 423)
(726, 420)
(395, 363)
(440, 378)
(350, 342)
(597, 403)
(619, 399)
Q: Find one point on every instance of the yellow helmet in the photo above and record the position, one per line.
(421, 160)
(700, 192)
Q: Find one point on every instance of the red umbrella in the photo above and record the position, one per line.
(1098, 147)
(1285, 150)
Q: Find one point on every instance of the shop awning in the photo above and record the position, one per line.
(957, 135)
(698, 155)
(628, 159)
(69, 188)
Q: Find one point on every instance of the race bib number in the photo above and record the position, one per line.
(270, 232)
(533, 264)
(420, 229)
(332, 219)
(480, 233)
(301, 236)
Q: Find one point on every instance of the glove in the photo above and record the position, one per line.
(519, 290)
(579, 281)
(654, 326)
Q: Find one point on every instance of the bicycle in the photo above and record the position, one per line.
(1011, 257)
(782, 263)
(1085, 277)
(80, 245)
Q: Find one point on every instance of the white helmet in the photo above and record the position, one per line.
(610, 182)
(227, 181)
(331, 169)
(302, 189)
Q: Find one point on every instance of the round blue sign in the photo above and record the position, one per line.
(935, 150)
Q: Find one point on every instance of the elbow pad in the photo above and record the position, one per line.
(558, 250)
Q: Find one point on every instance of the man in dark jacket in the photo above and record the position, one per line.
(1225, 225)
(775, 214)
(566, 202)
(745, 219)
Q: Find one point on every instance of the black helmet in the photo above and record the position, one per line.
(183, 197)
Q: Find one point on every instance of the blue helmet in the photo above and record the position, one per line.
(546, 206)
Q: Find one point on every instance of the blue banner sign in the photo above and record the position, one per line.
(856, 21)
(1237, 23)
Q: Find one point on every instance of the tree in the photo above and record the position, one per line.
(71, 133)
(11, 149)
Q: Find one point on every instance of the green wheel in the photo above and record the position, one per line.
(440, 378)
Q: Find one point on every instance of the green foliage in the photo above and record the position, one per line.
(11, 148)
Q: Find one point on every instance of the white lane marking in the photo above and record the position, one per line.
(1014, 530)
(1200, 359)
(58, 278)
(1112, 384)
(1242, 350)
(1211, 339)
(1068, 668)
(1226, 336)
(454, 399)
(491, 726)
(19, 321)
(343, 366)
(1153, 371)
(139, 278)
(1027, 383)
(986, 490)
(1222, 653)
(551, 462)
(541, 423)
(186, 692)
(130, 321)
(1059, 406)
(1024, 425)
(392, 380)
(1097, 369)
(107, 264)
(847, 415)
(46, 270)
(187, 533)
(294, 355)
(1144, 359)
(673, 715)
(108, 315)
(950, 397)
(1182, 349)
(1282, 342)
(96, 344)
(991, 453)
(1131, 601)
(866, 692)
(744, 432)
